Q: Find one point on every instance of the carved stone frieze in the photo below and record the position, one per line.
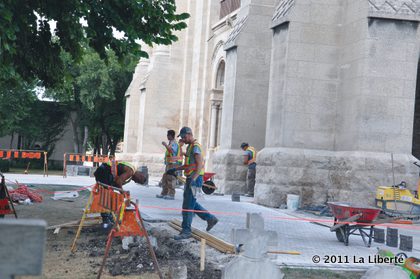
(395, 9)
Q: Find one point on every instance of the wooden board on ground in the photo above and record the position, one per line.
(211, 240)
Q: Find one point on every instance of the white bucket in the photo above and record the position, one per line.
(292, 202)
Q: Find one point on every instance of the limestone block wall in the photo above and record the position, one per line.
(302, 101)
(378, 71)
(230, 171)
(320, 175)
(341, 95)
(248, 51)
(387, 115)
(247, 76)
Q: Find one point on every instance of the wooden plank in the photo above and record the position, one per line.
(94, 221)
(215, 245)
(209, 237)
(223, 246)
(63, 225)
(212, 244)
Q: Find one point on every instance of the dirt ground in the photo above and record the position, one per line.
(176, 259)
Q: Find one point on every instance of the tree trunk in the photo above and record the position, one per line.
(105, 145)
(85, 139)
(113, 147)
(12, 137)
(74, 124)
(114, 144)
(20, 142)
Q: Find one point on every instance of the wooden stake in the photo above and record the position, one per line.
(45, 164)
(202, 254)
(64, 166)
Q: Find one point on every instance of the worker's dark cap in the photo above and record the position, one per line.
(184, 131)
(244, 144)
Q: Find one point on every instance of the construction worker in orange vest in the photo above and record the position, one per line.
(173, 159)
(250, 159)
(194, 171)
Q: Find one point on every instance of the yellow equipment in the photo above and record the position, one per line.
(397, 200)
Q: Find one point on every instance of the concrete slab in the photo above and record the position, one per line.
(22, 243)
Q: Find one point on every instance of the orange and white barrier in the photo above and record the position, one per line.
(76, 157)
(7, 154)
(128, 221)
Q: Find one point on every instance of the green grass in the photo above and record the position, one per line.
(297, 273)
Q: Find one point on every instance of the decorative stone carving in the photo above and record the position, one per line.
(235, 33)
(395, 9)
(216, 50)
(283, 9)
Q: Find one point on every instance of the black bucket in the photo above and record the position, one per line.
(144, 170)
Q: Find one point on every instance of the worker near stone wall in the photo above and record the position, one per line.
(250, 158)
(194, 171)
(173, 159)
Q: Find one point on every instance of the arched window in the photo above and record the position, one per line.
(220, 75)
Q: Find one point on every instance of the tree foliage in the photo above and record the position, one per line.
(43, 125)
(29, 50)
(94, 95)
(33, 121)
(16, 103)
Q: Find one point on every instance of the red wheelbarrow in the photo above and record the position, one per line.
(350, 219)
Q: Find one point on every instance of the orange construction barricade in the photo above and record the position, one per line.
(6, 204)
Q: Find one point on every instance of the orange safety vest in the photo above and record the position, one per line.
(190, 168)
(177, 159)
(254, 155)
(114, 168)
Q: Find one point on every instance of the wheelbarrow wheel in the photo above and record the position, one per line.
(207, 190)
(339, 235)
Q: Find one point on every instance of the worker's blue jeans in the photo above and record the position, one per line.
(190, 203)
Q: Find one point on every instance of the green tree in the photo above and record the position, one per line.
(16, 103)
(33, 121)
(94, 95)
(43, 125)
(107, 107)
(29, 50)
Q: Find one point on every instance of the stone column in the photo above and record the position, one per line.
(219, 121)
(245, 91)
(213, 131)
(215, 102)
